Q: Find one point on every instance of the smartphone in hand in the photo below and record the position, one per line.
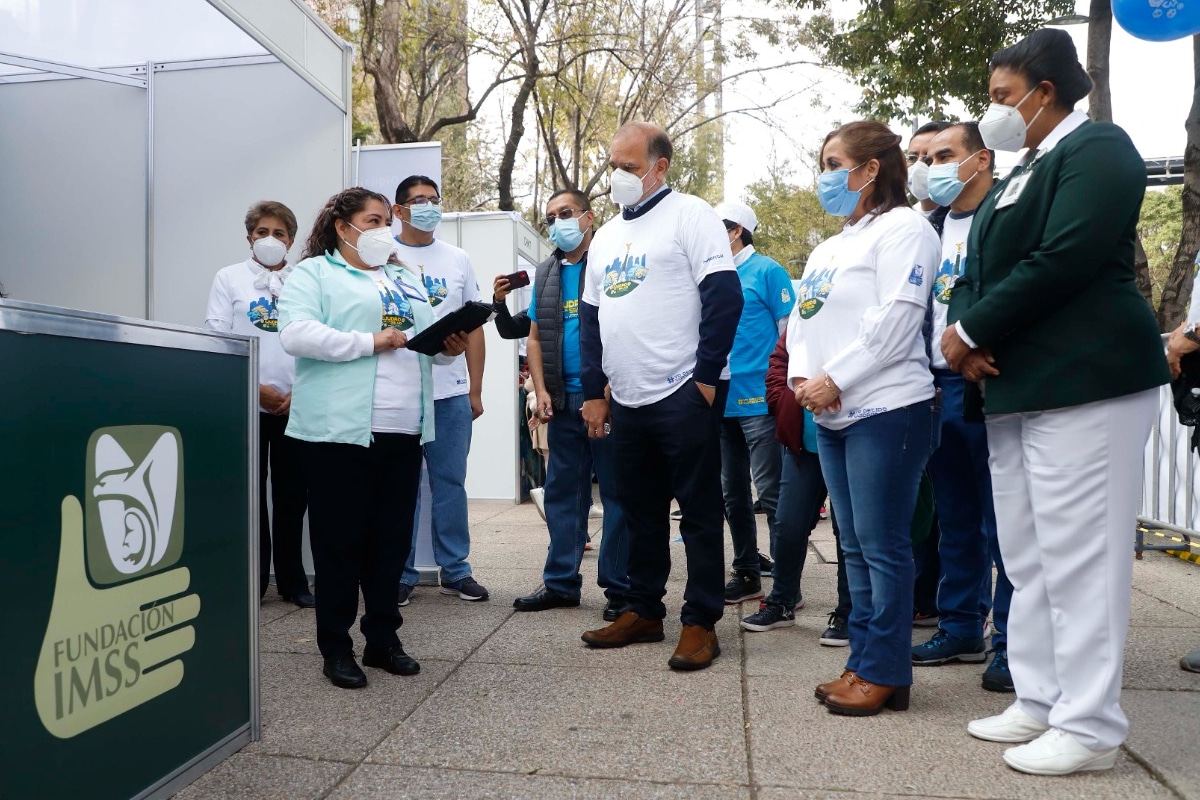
(517, 279)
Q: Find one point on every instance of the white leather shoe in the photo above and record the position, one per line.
(538, 496)
(1056, 752)
(1011, 726)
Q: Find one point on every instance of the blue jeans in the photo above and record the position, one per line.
(446, 460)
(748, 448)
(873, 468)
(962, 487)
(569, 495)
(801, 492)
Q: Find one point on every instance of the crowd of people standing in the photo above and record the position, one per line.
(952, 342)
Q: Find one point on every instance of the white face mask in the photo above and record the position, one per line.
(1003, 127)
(374, 246)
(269, 251)
(625, 188)
(918, 179)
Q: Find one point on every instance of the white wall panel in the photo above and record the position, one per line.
(72, 189)
(224, 139)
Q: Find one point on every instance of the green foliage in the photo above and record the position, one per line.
(914, 57)
(1160, 228)
(791, 222)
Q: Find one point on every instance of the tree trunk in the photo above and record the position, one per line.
(516, 131)
(1177, 292)
(1099, 39)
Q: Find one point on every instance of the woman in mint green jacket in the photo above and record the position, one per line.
(362, 406)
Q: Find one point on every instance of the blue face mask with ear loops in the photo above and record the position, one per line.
(835, 194)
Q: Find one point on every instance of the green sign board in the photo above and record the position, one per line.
(126, 603)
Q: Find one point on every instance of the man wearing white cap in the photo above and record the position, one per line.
(748, 446)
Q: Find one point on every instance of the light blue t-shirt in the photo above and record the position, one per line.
(571, 353)
(767, 297)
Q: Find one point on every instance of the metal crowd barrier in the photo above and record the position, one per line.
(1169, 518)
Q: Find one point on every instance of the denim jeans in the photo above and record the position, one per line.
(569, 495)
(801, 492)
(873, 468)
(962, 487)
(671, 449)
(446, 460)
(749, 448)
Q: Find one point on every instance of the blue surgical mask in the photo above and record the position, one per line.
(835, 194)
(426, 217)
(944, 185)
(565, 234)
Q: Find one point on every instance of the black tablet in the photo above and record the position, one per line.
(431, 341)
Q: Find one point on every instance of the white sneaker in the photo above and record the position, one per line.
(1011, 726)
(596, 512)
(538, 496)
(1057, 752)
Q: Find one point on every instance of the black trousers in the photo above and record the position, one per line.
(361, 504)
(667, 449)
(289, 499)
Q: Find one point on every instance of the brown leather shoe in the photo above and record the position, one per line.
(628, 629)
(864, 699)
(697, 648)
(823, 690)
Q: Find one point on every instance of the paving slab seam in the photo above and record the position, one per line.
(433, 690)
(746, 708)
(1153, 772)
(549, 773)
(888, 793)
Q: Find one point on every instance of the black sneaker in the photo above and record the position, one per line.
(997, 678)
(769, 617)
(835, 635)
(466, 589)
(766, 567)
(743, 586)
(404, 595)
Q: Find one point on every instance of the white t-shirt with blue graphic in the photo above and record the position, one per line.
(397, 405)
(571, 355)
(450, 280)
(950, 269)
(767, 298)
(859, 311)
(644, 277)
(236, 305)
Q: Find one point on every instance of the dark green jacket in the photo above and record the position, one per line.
(1049, 283)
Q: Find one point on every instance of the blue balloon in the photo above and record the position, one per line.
(1158, 20)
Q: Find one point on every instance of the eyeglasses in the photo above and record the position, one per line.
(566, 213)
(913, 158)
(421, 201)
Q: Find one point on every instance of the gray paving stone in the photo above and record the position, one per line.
(1163, 731)
(1152, 659)
(551, 638)
(1169, 578)
(1154, 611)
(246, 776)
(796, 742)
(304, 715)
(663, 727)
(371, 781)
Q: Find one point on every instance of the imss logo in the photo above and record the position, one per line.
(120, 617)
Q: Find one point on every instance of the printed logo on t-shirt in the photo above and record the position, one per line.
(625, 274)
(397, 311)
(570, 309)
(814, 290)
(263, 315)
(917, 276)
(948, 273)
(785, 296)
(438, 289)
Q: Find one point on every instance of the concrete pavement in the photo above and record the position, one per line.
(512, 705)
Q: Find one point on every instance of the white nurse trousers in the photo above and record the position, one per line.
(1066, 485)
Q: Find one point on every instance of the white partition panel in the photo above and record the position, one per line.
(224, 139)
(72, 206)
(497, 243)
